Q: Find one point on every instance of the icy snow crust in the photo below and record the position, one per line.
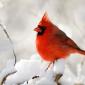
(73, 70)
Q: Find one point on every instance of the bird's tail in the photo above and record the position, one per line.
(81, 52)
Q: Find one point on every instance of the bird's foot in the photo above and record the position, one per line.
(57, 78)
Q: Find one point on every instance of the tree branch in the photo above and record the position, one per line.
(10, 40)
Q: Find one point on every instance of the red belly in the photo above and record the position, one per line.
(52, 53)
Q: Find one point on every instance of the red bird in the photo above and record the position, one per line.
(52, 43)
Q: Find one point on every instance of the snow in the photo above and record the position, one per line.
(27, 69)
(45, 81)
(73, 73)
(59, 66)
(33, 71)
(7, 70)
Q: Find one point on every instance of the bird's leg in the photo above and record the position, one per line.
(53, 63)
(49, 65)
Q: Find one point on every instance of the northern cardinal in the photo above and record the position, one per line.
(52, 43)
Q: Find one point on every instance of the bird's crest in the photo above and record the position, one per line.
(45, 18)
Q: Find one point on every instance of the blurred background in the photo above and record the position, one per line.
(20, 17)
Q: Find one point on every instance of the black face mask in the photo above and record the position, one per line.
(42, 28)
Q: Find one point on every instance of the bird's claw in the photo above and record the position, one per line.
(58, 76)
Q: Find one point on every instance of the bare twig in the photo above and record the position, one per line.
(3, 80)
(57, 77)
(35, 77)
(5, 31)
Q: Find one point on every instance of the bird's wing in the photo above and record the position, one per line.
(68, 41)
(61, 35)
(71, 43)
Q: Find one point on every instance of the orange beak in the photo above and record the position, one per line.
(37, 29)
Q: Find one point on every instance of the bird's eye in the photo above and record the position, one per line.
(42, 27)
